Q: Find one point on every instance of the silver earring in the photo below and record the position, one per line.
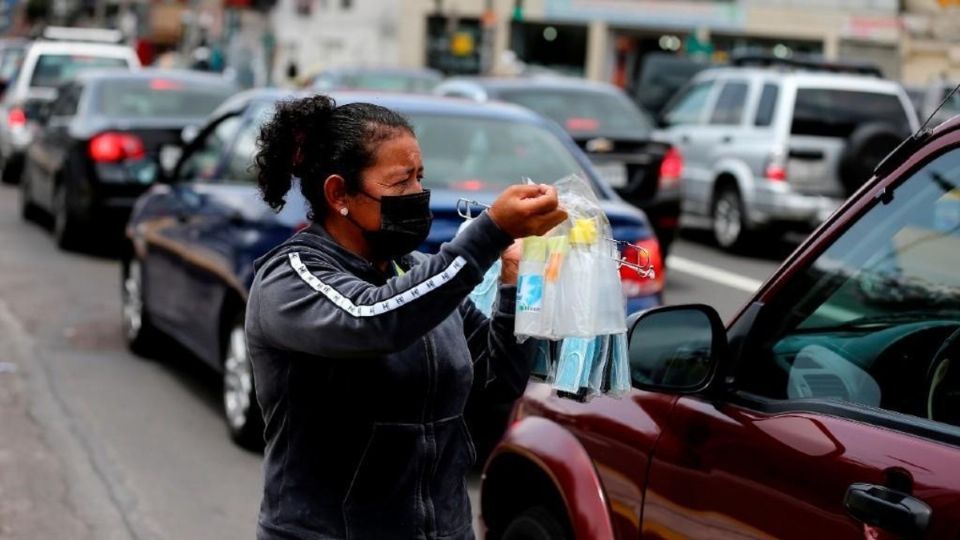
(344, 211)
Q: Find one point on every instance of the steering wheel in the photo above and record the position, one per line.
(943, 382)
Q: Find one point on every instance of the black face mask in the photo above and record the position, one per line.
(404, 224)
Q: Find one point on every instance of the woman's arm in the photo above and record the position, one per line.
(306, 304)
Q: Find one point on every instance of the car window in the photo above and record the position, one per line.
(584, 112)
(158, 98)
(10, 63)
(52, 70)
(468, 153)
(688, 108)
(767, 105)
(728, 110)
(240, 166)
(202, 163)
(829, 112)
(390, 82)
(67, 101)
(870, 321)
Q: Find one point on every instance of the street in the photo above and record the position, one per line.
(99, 443)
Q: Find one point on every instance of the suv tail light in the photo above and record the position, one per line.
(16, 117)
(635, 285)
(776, 169)
(112, 147)
(671, 168)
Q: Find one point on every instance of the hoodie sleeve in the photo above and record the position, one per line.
(501, 366)
(306, 304)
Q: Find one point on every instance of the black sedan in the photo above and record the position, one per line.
(98, 145)
(608, 126)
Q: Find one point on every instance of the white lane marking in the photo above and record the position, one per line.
(709, 273)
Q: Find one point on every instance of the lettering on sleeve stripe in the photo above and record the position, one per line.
(379, 308)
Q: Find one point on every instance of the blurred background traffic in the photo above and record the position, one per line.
(717, 133)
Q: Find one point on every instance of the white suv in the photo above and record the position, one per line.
(46, 66)
(769, 149)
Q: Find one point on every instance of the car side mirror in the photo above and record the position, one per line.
(676, 348)
(189, 134)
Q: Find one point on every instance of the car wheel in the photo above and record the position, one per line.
(11, 172)
(29, 210)
(729, 223)
(65, 226)
(142, 337)
(536, 523)
(240, 406)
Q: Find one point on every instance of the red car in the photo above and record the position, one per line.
(828, 408)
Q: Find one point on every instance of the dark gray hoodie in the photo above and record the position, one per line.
(363, 378)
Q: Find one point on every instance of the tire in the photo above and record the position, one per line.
(240, 407)
(865, 149)
(12, 172)
(66, 229)
(141, 336)
(29, 210)
(728, 220)
(536, 523)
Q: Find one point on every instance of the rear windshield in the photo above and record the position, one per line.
(146, 98)
(53, 70)
(585, 113)
(466, 153)
(10, 62)
(837, 113)
(390, 82)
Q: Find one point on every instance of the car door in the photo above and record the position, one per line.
(51, 144)
(720, 138)
(684, 121)
(838, 415)
(171, 254)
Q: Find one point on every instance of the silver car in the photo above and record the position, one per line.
(48, 64)
(768, 149)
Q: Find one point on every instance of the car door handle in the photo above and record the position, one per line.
(890, 510)
(726, 139)
(685, 139)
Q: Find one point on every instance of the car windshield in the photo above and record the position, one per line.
(390, 82)
(952, 105)
(585, 112)
(838, 113)
(488, 154)
(52, 70)
(158, 98)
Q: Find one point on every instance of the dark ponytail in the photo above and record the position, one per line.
(312, 138)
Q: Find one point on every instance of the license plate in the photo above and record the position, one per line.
(807, 171)
(614, 174)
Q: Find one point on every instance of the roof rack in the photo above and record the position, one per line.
(813, 63)
(90, 35)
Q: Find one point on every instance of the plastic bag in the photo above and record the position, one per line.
(484, 295)
(569, 283)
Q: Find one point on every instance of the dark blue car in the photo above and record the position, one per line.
(193, 237)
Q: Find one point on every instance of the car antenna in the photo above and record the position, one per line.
(935, 111)
(907, 147)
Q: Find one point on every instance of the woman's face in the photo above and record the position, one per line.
(397, 170)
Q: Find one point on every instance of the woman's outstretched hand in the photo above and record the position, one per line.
(527, 210)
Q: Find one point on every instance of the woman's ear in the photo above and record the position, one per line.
(335, 192)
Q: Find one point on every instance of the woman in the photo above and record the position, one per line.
(365, 352)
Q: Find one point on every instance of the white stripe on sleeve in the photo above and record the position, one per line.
(379, 308)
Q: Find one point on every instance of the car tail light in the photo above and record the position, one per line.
(776, 169)
(671, 168)
(300, 226)
(16, 117)
(633, 283)
(111, 147)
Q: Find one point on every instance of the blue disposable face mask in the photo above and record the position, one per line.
(484, 295)
(575, 364)
(620, 379)
(542, 360)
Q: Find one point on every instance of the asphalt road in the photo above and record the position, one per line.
(98, 443)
